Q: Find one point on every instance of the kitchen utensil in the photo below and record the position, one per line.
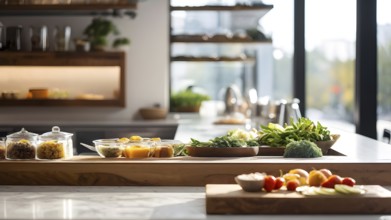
(232, 99)
(231, 199)
(14, 38)
(153, 113)
(89, 147)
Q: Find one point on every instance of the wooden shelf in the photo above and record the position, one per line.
(33, 58)
(68, 9)
(205, 39)
(79, 59)
(212, 59)
(60, 102)
(222, 8)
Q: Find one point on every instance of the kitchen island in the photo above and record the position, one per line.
(89, 187)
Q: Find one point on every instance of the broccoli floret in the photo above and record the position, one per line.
(302, 149)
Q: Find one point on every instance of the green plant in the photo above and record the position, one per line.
(98, 31)
(187, 99)
(121, 42)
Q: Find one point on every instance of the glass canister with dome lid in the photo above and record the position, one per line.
(55, 145)
(21, 145)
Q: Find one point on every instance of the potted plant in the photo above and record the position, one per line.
(121, 44)
(98, 31)
(187, 101)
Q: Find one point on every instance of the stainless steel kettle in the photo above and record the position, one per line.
(232, 99)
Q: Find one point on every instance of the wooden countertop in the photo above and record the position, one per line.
(367, 160)
(182, 171)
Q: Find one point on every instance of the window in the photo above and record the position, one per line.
(384, 65)
(330, 35)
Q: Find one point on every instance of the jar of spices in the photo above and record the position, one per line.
(21, 145)
(2, 149)
(55, 145)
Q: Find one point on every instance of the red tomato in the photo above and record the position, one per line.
(331, 181)
(270, 182)
(348, 181)
(291, 185)
(279, 182)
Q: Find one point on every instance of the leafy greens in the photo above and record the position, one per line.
(304, 129)
(234, 138)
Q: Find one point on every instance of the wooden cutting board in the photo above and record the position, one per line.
(231, 199)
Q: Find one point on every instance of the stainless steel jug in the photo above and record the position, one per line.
(280, 111)
(285, 111)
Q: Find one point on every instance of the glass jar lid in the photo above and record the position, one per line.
(56, 134)
(23, 134)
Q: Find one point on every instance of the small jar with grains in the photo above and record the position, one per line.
(21, 145)
(55, 145)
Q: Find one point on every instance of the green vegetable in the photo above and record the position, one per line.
(234, 138)
(187, 99)
(302, 149)
(179, 150)
(304, 129)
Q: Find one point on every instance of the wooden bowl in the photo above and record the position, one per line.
(153, 113)
(222, 151)
(39, 93)
(326, 145)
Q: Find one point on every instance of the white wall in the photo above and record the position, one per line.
(147, 77)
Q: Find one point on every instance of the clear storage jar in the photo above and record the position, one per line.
(21, 145)
(55, 145)
(2, 149)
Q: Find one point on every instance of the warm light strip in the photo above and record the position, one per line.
(101, 80)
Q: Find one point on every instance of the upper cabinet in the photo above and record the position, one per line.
(68, 7)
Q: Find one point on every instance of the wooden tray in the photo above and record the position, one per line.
(271, 151)
(222, 151)
(231, 199)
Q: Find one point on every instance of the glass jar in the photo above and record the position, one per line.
(55, 145)
(62, 37)
(39, 38)
(21, 145)
(2, 149)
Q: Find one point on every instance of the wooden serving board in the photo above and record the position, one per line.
(231, 199)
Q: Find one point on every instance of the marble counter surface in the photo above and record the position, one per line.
(65, 202)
